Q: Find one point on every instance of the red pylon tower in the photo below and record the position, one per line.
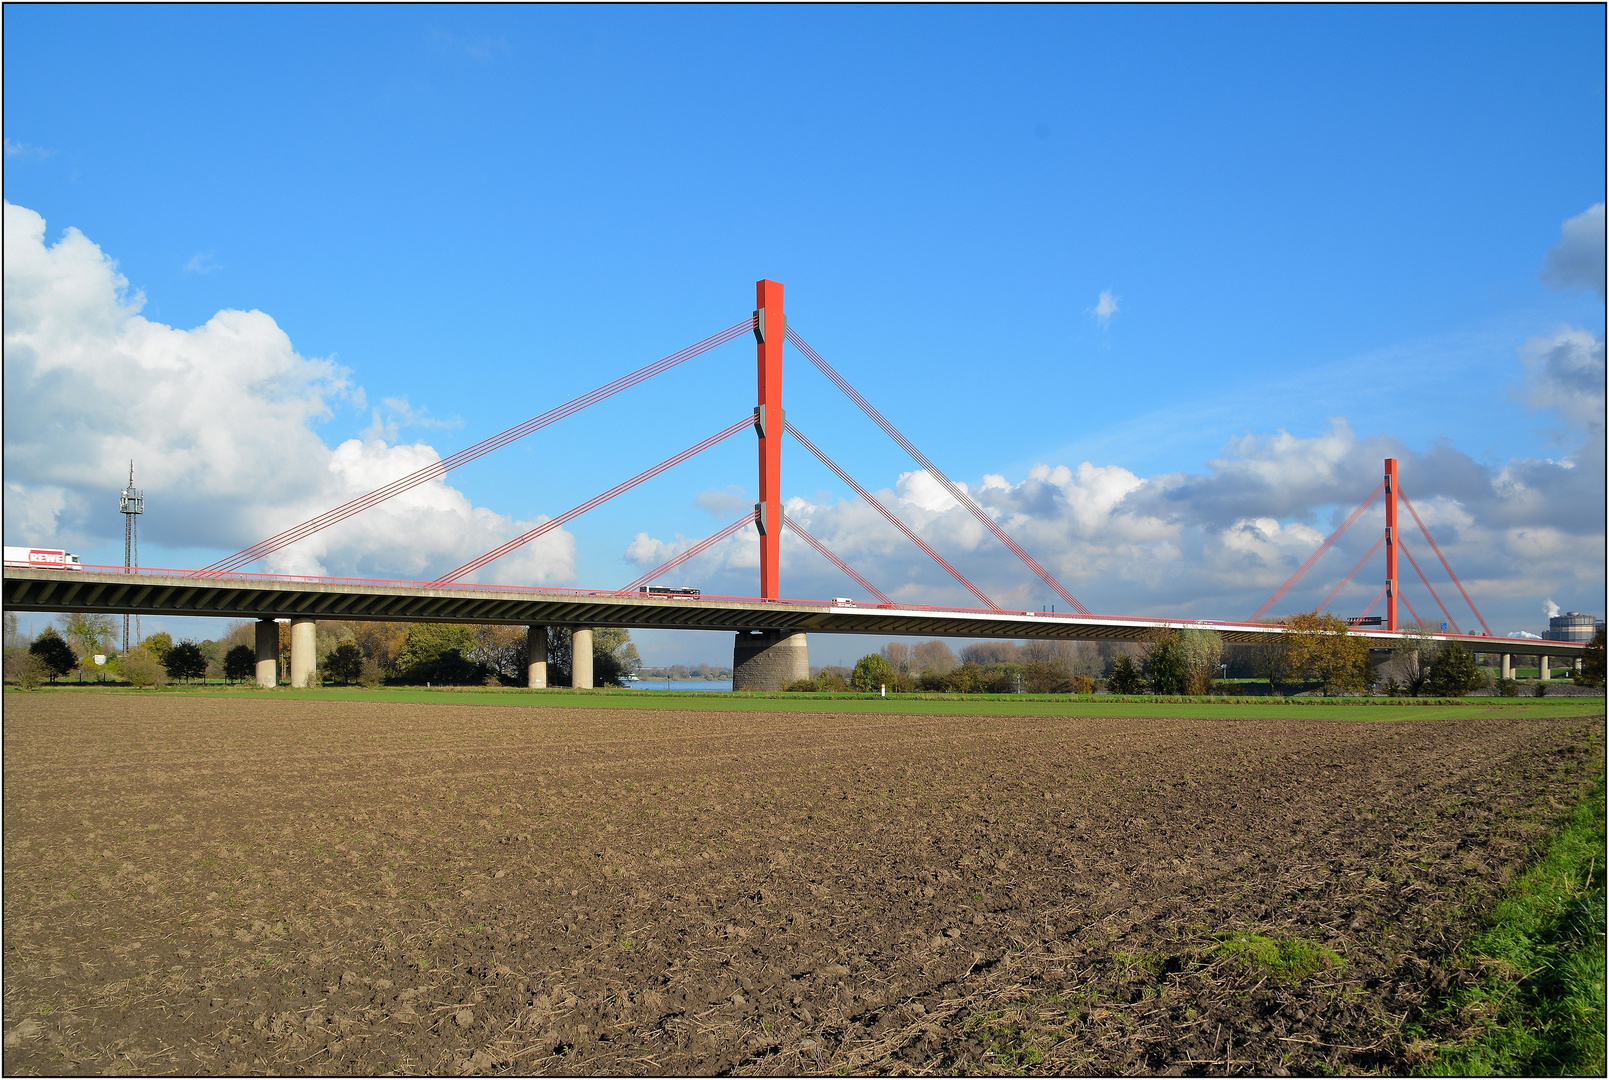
(1391, 543)
(770, 324)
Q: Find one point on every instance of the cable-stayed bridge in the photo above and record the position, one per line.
(770, 645)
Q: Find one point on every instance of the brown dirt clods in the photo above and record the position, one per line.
(210, 884)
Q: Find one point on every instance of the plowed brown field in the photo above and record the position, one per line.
(198, 884)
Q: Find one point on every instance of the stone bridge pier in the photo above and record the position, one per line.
(769, 659)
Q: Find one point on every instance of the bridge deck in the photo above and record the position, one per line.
(172, 592)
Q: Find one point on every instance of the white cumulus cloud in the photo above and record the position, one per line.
(219, 420)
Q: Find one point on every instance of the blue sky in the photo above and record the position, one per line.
(1302, 214)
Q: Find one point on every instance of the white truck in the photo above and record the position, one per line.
(42, 558)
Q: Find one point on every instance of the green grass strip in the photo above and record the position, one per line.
(1261, 708)
(1538, 1000)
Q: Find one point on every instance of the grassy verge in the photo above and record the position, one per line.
(1536, 1006)
(1264, 708)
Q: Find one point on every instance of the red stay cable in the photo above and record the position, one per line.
(892, 520)
(1409, 606)
(463, 457)
(1444, 564)
(923, 460)
(596, 501)
(697, 549)
(1351, 573)
(1415, 562)
(835, 560)
(1379, 596)
(1313, 558)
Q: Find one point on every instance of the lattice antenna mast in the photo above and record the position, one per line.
(131, 504)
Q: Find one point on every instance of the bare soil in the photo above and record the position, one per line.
(242, 885)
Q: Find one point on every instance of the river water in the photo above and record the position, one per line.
(681, 684)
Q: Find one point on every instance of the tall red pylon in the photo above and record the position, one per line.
(1391, 543)
(770, 327)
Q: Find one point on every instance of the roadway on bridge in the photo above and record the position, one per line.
(111, 590)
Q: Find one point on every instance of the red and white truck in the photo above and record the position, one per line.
(43, 558)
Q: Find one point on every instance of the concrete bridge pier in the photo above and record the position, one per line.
(1508, 665)
(581, 658)
(304, 652)
(536, 657)
(267, 653)
(1546, 672)
(769, 659)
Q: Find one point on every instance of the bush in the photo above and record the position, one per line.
(370, 677)
(1125, 677)
(26, 670)
(966, 679)
(141, 669)
(800, 686)
(55, 654)
(871, 672)
(1082, 684)
(240, 663)
(1541, 689)
(1453, 673)
(1507, 688)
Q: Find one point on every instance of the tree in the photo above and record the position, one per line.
(1453, 673)
(1269, 658)
(1166, 664)
(934, 656)
(240, 662)
(1320, 649)
(1409, 665)
(871, 672)
(54, 653)
(184, 661)
(1592, 673)
(158, 644)
(613, 655)
(345, 662)
(87, 633)
(437, 653)
(1125, 677)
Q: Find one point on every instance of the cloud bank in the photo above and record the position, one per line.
(220, 421)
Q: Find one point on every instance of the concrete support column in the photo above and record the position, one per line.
(536, 657)
(769, 660)
(1547, 668)
(304, 651)
(267, 653)
(581, 658)
(1508, 665)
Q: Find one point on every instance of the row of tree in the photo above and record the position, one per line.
(1315, 652)
(349, 652)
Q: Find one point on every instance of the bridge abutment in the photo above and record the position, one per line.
(536, 657)
(769, 660)
(581, 658)
(267, 653)
(304, 652)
